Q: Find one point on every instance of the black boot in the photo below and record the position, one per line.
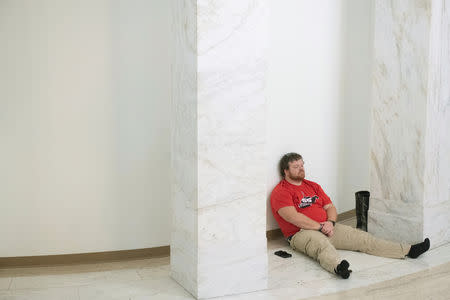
(342, 269)
(362, 208)
(419, 249)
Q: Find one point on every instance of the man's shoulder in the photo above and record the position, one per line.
(280, 197)
(280, 188)
(283, 185)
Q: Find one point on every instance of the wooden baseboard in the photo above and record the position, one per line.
(276, 233)
(69, 259)
(347, 215)
(84, 258)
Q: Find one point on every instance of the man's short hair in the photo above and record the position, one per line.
(286, 159)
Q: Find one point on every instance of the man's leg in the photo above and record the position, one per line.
(316, 245)
(348, 238)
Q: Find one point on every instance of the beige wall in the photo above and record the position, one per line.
(84, 126)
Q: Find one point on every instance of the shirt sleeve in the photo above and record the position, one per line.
(325, 199)
(280, 198)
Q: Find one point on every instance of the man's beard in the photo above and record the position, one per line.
(298, 177)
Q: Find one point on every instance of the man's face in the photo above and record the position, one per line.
(296, 170)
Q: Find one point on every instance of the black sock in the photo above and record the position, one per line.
(342, 269)
(419, 248)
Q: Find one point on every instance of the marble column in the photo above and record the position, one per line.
(410, 148)
(218, 242)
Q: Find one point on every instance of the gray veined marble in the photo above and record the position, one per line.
(184, 191)
(218, 242)
(410, 149)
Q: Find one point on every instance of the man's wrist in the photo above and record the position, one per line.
(320, 228)
(332, 222)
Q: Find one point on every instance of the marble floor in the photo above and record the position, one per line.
(298, 277)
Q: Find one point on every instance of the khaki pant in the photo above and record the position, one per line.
(323, 249)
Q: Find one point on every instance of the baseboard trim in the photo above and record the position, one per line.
(98, 257)
(347, 215)
(84, 258)
(276, 233)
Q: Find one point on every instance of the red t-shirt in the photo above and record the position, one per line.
(307, 198)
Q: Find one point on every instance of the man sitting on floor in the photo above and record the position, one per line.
(307, 219)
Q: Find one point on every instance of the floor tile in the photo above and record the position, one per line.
(69, 293)
(73, 279)
(428, 284)
(53, 270)
(155, 272)
(141, 289)
(5, 282)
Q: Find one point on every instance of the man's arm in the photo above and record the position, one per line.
(328, 227)
(331, 212)
(290, 214)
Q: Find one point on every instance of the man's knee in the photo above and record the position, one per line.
(315, 241)
(363, 240)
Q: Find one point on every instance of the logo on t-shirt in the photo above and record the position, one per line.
(307, 201)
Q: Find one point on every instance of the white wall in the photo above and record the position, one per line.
(84, 126)
(318, 94)
(356, 61)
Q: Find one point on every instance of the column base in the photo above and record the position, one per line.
(395, 228)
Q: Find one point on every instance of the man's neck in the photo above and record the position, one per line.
(292, 181)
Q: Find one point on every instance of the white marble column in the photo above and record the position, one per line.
(410, 149)
(218, 242)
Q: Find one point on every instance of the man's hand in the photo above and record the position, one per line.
(328, 228)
